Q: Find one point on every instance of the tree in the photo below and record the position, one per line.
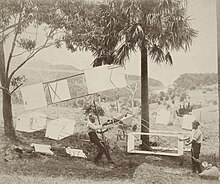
(154, 28)
(19, 20)
(113, 29)
(133, 89)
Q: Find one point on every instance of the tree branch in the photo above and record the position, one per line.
(15, 89)
(28, 58)
(9, 27)
(14, 40)
(19, 54)
(33, 53)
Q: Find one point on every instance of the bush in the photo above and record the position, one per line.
(95, 110)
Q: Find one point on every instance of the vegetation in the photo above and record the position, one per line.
(16, 19)
(195, 80)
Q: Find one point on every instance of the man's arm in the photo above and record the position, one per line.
(100, 131)
(94, 126)
(184, 139)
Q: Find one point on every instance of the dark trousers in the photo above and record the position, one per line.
(101, 147)
(195, 151)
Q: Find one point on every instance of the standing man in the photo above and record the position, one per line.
(195, 139)
(93, 129)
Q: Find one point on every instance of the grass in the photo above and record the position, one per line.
(19, 179)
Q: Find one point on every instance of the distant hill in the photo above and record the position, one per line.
(46, 65)
(153, 83)
(195, 80)
(38, 71)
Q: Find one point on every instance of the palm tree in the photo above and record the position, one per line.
(113, 29)
(154, 28)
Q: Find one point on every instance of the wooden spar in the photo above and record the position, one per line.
(69, 99)
(75, 75)
(63, 78)
(168, 132)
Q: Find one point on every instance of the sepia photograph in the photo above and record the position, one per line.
(109, 91)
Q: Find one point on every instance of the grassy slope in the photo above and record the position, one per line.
(64, 170)
(18, 179)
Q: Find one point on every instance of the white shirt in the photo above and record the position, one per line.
(93, 127)
(196, 134)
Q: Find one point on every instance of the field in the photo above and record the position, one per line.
(128, 169)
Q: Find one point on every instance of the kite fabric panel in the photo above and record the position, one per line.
(117, 77)
(59, 91)
(33, 96)
(102, 78)
(163, 117)
(187, 121)
(60, 128)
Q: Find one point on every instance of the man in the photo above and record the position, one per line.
(93, 129)
(195, 139)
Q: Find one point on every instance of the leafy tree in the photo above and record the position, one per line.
(20, 24)
(113, 29)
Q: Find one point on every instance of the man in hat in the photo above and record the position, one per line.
(93, 129)
(195, 139)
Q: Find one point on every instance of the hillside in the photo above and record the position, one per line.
(195, 80)
(153, 83)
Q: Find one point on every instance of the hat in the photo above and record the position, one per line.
(196, 123)
(91, 116)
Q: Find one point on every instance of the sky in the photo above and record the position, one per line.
(202, 57)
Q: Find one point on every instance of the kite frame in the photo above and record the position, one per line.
(178, 148)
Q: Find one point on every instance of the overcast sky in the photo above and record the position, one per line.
(201, 58)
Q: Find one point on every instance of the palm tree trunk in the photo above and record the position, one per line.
(218, 50)
(144, 99)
